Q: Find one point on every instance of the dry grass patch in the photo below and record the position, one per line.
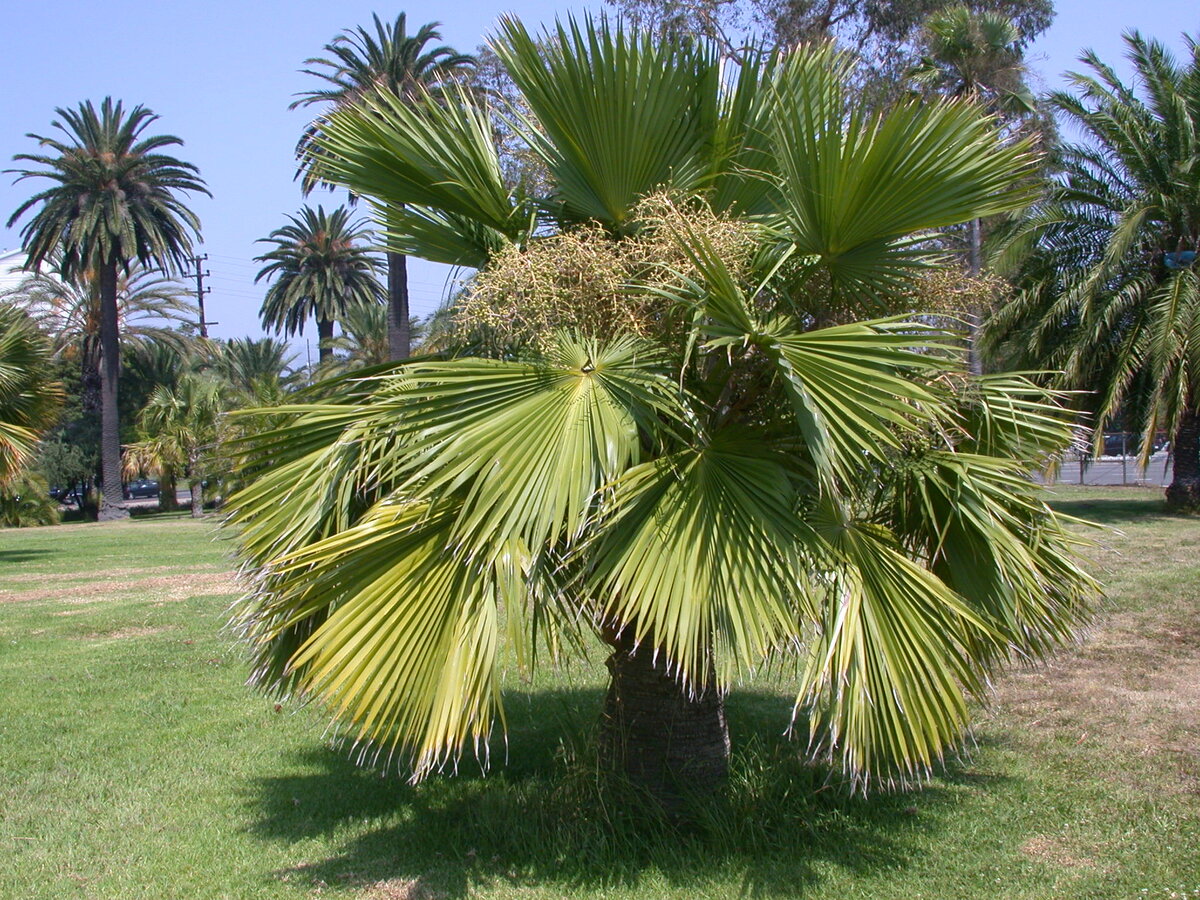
(1133, 687)
(130, 632)
(159, 589)
(401, 889)
(108, 574)
(1055, 851)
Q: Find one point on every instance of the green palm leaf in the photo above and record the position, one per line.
(856, 184)
(615, 115)
(431, 154)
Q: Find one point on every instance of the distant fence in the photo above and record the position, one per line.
(1118, 465)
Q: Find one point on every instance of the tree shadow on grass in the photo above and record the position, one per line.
(545, 818)
(1115, 512)
(19, 556)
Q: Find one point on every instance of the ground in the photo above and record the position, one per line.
(134, 763)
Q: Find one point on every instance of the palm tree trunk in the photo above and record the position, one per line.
(324, 336)
(197, 487)
(112, 501)
(1183, 494)
(667, 742)
(399, 331)
(167, 499)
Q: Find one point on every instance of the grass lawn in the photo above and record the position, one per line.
(135, 764)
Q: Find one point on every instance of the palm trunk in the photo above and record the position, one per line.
(1183, 494)
(112, 502)
(89, 377)
(324, 336)
(167, 500)
(399, 330)
(197, 487)
(667, 742)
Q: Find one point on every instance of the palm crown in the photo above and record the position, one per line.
(395, 63)
(723, 486)
(319, 267)
(115, 198)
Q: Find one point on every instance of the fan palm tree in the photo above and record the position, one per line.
(360, 62)
(179, 432)
(1111, 295)
(29, 395)
(69, 311)
(115, 202)
(320, 267)
(364, 341)
(975, 55)
(256, 371)
(727, 486)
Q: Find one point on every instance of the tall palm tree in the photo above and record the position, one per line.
(724, 486)
(115, 202)
(360, 62)
(29, 395)
(1111, 294)
(320, 267)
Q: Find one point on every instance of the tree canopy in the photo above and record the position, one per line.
(748, 475)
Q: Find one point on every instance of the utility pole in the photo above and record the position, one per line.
(201, 290)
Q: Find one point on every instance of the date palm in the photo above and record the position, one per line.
(1111, 293)
(361, 62)
(320, 267)
(114, 202)
(727, 487)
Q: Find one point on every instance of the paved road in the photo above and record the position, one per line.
(1114, 470)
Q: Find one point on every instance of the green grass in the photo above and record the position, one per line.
(134, 763)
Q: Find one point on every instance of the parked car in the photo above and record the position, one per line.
(141, 489)
(68, 494)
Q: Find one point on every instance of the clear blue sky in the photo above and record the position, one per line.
(221, 74)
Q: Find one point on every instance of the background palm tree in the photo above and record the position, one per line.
(1110, 291)
(976, 56)
(69, 312)
(115, 202)
(319, 267)
(179, 433)
(391, 60)
(363, 341)
(703, 486)
(255, 371)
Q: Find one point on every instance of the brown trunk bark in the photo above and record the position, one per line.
(197, 499)
(399, 332)
(1183, 494)
(112, 500)
(668, 742)
(167, 500)
(324, 336)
